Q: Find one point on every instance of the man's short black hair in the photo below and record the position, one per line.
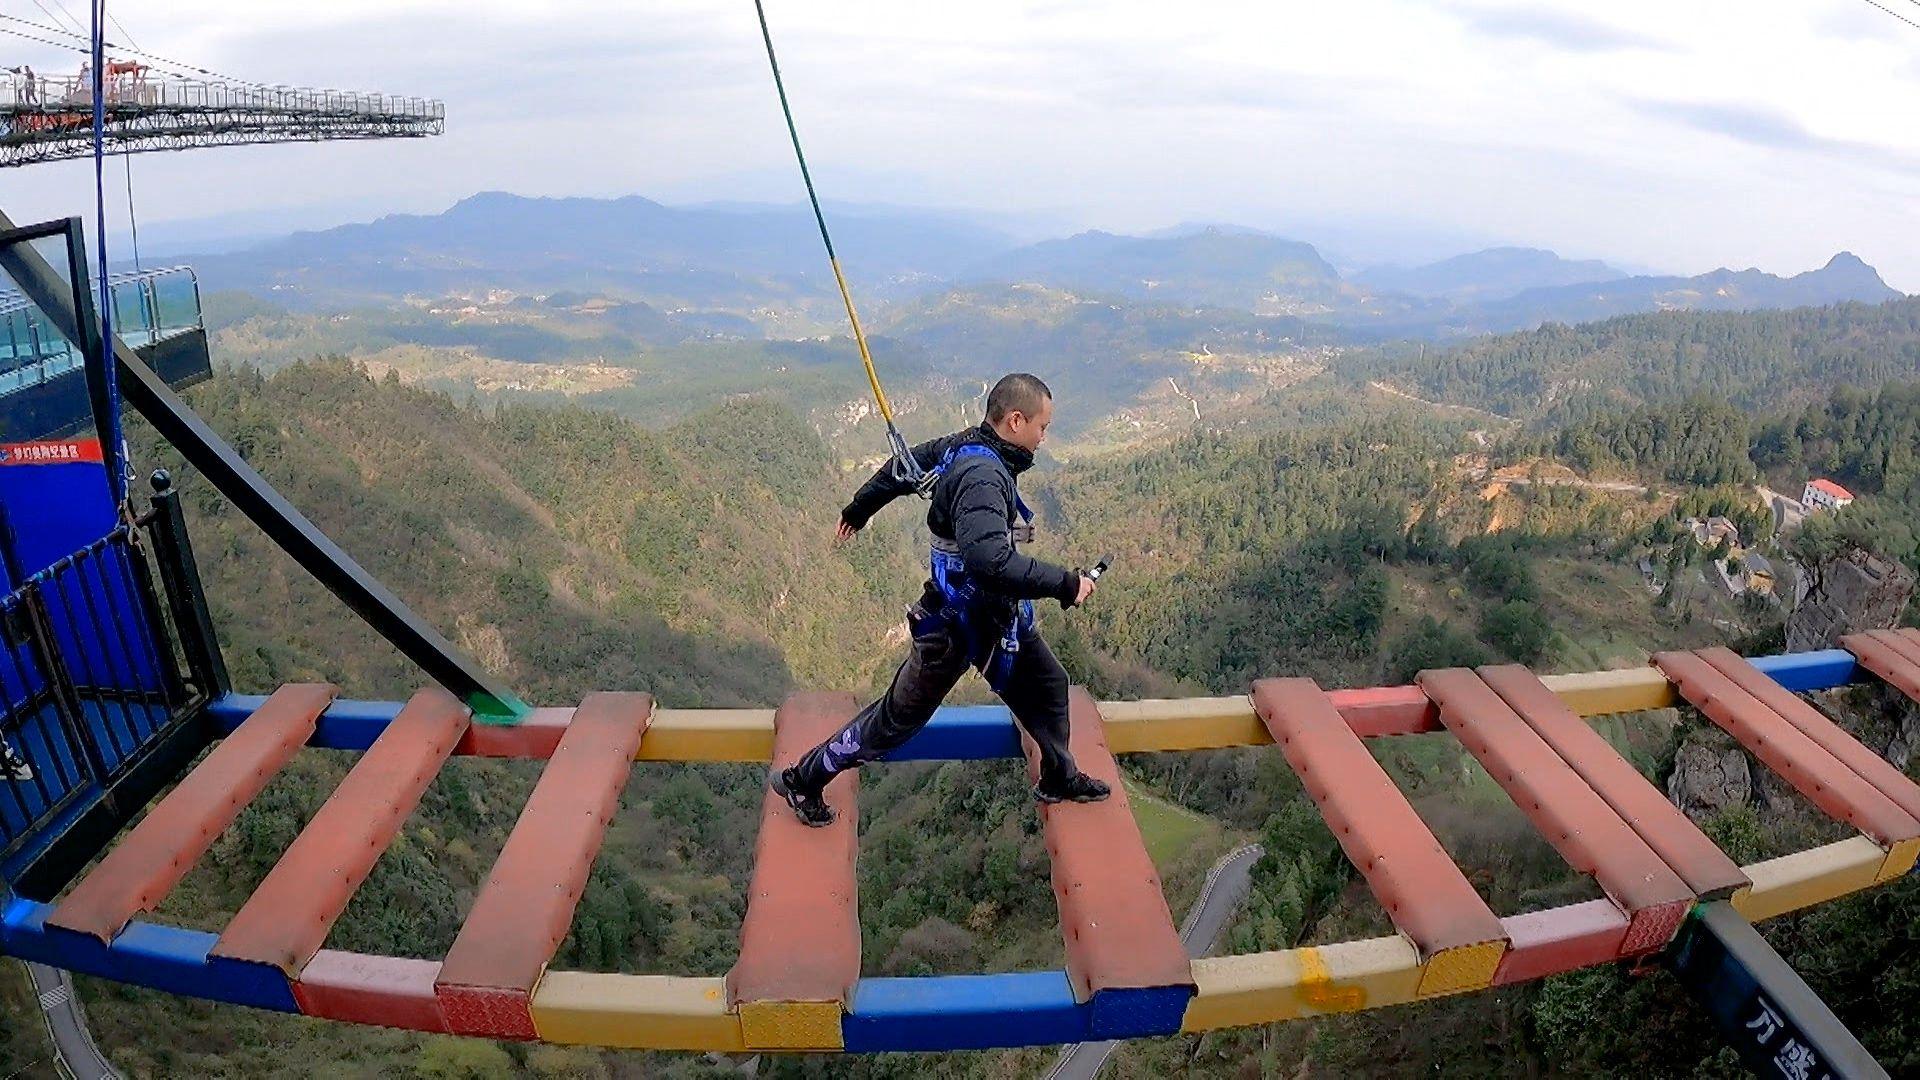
(1019, 392)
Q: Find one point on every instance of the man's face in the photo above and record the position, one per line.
(1029, 431)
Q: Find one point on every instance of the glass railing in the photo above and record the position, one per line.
(31, 350)
(149, 307)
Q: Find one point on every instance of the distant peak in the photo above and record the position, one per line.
(1846, 260)
(482, 198)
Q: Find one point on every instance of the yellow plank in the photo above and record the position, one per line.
(1132, 726)
(792, 1025)
(1806, 878)
(1601, 693)
(1182, 724)
(1457, 970)
(641, 1012)
(708, 735)
(1260, 988)
(1900, 859)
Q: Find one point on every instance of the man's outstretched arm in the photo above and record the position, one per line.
(883, 487)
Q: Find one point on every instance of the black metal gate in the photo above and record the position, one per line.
(98, 667)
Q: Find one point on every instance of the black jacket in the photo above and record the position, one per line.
(973, 506)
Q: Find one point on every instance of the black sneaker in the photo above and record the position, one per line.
(1076, 788)
(12, 765)
(812, 810)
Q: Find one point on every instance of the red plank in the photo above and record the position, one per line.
(385, 990)
(1707, 870)
(1561, 939)
(1579, 824)
(1904, 640)
(1423, 891)
(1886, 661)
(145, 867)
(526, 907)
(1865, 763)
(1386, 710)
(1837, 790)
(1113, 914)
(287, 919)
(535, 736)
(800, 940)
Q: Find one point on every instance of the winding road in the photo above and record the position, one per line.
(72, 1043)
(1227, 885)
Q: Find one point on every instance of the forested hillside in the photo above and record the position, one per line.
(1760, 362)
(550, 542)
(571, 549)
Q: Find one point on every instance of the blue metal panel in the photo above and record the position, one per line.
(965, 1012)
(38, 738)
(164, 958)
(1132, 1013)
(1801, 672)
(54, 507)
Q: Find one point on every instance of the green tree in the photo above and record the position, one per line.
(1429, 643)
(1519, 629)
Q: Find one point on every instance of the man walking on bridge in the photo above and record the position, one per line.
(976, 609)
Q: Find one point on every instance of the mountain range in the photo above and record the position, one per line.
(1493, 273)
(1844, 277)
(751, 261)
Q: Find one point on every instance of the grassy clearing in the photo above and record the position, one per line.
(1170, 831)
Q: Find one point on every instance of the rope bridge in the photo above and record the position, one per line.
(797, 983)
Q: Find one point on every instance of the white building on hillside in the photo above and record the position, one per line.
(1824, 494)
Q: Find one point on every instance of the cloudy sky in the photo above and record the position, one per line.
(1677, 137)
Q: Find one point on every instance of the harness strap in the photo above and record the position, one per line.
(992, 655)
(976, 450)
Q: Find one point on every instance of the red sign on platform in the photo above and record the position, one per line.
(60, 452)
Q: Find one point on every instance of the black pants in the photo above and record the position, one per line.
(1036, 693)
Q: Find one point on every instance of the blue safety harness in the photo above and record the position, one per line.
(991, 649)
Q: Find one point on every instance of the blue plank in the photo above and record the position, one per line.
(1133, 1013)
(965, 1012)
(1801, 672)
(346, 725)
(963, 733)
(164, 958)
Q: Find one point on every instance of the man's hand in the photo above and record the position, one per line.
(844, 533)
(1086, 590)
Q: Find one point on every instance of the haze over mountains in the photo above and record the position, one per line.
(740, 259)
(1494, 272)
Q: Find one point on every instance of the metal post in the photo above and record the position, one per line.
(85, 334)
(1767, 1013)
(186, 596)
(44, 647)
